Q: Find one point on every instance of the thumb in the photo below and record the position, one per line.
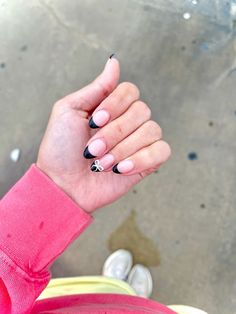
(90, 96)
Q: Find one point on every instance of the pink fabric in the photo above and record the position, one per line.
(100, 303)
(37, 223)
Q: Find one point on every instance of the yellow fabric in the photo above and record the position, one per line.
(85, 284)
(99, 284)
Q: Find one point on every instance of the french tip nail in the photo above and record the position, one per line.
(92, 124)
(93, 168)
(115, 169)
(87, 154)
(112, 55)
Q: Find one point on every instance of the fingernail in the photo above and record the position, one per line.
(123, 167)
(112, 56)
(94, 149)
(104, 163)
(100, 118)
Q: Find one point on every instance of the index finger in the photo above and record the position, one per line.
(114, 105)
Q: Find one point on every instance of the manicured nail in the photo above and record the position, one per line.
(99, 118)
(94, 149)
(123, 167)
(104, 163)
(111, 56)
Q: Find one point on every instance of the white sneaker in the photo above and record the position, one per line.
(183, 309)
(140, 279)
(118, 265)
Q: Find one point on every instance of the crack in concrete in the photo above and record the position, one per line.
(230, 70)
(227, 73)
(156, 5)
(53, 13)
(88, 39)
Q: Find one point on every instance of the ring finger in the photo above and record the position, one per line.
(145, 159)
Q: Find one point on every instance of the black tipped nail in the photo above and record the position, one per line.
(114, 169)
(112, 55)
(87, 154)
(94, 168)
(92, 124)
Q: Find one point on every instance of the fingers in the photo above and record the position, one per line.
(89, 97)
(127, 141)
(117, 130)
(145, 159)
(114, 105)
(144, 136)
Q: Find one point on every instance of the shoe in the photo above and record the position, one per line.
(183, 309)
(140, 279)
(118, 265)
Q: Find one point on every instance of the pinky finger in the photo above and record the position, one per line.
(145, 160)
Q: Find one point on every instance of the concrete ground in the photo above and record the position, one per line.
(180, 221)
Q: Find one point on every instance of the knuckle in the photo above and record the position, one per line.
(130, 88)
(149, 158)
(142, 108)
(154, 128)
(166, 150)
(59, 105)
(113, 99)
(105, 88)
(147, 111)
(119, 130)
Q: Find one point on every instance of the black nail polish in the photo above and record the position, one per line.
(114, 169)
(112, 55)
(94, 168)
(87, 154)
(92, 124)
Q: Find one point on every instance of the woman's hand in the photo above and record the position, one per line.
(95, 166)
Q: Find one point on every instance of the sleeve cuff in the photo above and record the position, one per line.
(38, 221)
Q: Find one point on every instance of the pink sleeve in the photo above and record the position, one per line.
(37, 222)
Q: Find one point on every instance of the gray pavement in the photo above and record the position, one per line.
(179, 221)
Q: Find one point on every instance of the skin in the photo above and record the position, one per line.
(129, 134)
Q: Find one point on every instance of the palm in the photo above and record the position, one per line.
(67, 133)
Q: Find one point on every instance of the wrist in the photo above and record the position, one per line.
(60, 181)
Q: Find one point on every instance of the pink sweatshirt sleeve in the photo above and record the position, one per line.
(37, 223)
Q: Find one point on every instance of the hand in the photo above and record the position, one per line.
(126, 147)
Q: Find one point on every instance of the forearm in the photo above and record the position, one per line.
(37, 222)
